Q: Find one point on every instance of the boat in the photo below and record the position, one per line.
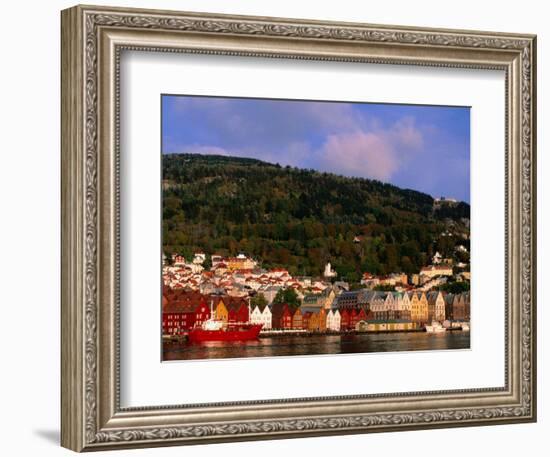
(436, 327)
(215, 330)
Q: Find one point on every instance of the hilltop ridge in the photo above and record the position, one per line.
(301, 218)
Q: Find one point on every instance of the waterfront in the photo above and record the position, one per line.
(352, 343)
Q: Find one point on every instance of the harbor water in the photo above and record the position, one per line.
(288, 345)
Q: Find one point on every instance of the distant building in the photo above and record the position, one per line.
(178, 260)
(215, 259)
(241, 262)
(199, 258)
(370, 281)
(329, 272)
(436, 270)
(444, 201)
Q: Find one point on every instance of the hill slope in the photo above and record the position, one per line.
(300, 219)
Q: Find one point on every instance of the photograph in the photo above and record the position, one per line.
(310, 227)
(249, 199)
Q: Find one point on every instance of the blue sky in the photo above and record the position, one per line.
(426, 148)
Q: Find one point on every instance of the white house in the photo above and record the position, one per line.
(256, 316)
(267, 318)
(333, 320)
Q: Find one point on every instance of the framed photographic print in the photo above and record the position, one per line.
(299, 248)
(277, 228)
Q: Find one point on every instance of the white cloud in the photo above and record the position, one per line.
(334, 137)
(407, 133)
(377, 154)
(359, 154)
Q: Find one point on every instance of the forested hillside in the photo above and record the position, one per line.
(300, 219)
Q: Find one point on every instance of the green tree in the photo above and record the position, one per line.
(258, 300)
(455, 287)
(288, 296)
(300, 218)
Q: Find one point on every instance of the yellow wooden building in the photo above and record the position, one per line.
(221, 312)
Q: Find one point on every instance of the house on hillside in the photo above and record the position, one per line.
(436, 270)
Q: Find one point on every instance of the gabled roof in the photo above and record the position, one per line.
(450, 298)
(311, 309)
(432, 296)
(182, 306)
(367, 296)
(311, 298)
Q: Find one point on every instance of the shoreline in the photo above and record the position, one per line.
(280, 333)
(345, 332)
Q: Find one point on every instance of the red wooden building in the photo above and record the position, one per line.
(305, 319)
(181, 310)
(353, 318)
(237, 311)
(286, 319)
(344, 319)
(281, 316)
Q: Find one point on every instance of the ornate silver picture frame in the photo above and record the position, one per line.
(93, 39)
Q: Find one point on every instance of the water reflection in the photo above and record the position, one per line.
(317, 344)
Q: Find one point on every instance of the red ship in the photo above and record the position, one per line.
(235, 332)
(214, 330)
